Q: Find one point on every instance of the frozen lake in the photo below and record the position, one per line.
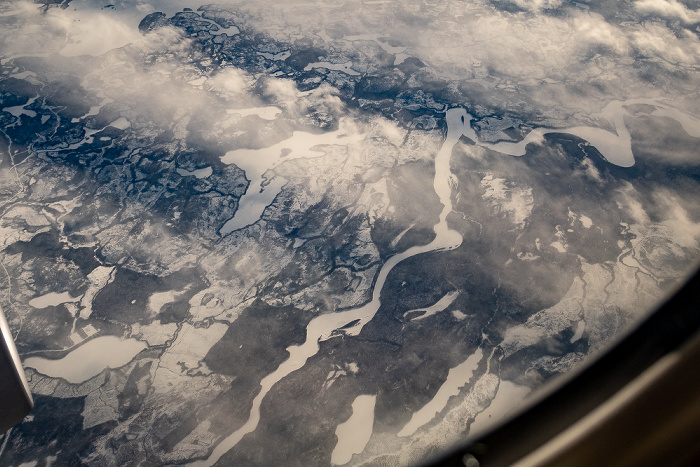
(354, 434)
(89, 359)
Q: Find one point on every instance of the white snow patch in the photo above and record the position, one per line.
(186, 353)
(99, 278)
(198, 173)
(516, 202)
(527, 256)
(559, 247)
(121, 123)
(154, 333)
(158, 299)
(507, 398)
(459, 316)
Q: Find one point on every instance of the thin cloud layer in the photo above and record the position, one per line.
(672, 9)
(560, 64)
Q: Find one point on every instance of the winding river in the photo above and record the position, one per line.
(324, 326)
(615, 147)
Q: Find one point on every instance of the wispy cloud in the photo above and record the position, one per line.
(672, 9)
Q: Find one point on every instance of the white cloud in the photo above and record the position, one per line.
(593, 30)
(24, 31)
(95, 34)
(590, 170)
(655, 40)
(685, 232)
(230, 83)
(668, 9)
(629, 202)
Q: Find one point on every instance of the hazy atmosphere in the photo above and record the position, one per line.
(323, 232)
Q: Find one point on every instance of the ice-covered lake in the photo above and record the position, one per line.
(88, 360)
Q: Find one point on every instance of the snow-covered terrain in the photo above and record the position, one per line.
(330, 232)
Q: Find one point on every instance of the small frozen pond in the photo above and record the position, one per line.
(198, 173)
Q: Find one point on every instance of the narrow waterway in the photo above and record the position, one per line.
(616, 147)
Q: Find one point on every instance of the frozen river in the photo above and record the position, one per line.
(616, 147)
(326, 325)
